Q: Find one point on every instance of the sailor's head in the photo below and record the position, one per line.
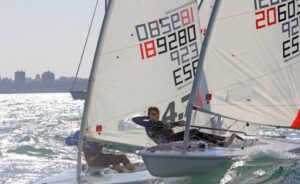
(153, 114)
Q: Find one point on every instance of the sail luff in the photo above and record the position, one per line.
(197, 79)
(90, 84)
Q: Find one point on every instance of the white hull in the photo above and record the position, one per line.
(108, 177)
(168, 161)
(79, 95)
(181, 166)
(70, 178)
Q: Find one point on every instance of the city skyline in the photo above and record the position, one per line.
(47, 35)
(38, 74)
(42, 83)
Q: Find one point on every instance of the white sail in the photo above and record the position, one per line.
(147, 55)
(252, 64)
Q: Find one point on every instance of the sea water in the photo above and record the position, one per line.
(33, 128)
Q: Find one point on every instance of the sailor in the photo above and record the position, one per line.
(158, 131)
(161, 132)
(94, 156)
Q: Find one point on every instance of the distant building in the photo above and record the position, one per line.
(43, 83)
(20, 78)
(38, 77)
(48, 78)
(7, 80)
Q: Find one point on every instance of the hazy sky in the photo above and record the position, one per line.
(40, 35)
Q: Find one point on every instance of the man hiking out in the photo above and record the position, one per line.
(161, 132)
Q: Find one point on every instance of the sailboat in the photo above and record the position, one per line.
(78, 95)
(82, 94)
(146, 55)
(248, 75)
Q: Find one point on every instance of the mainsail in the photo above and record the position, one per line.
(252, 64)
(146, 56)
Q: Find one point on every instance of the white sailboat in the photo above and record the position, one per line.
(146, 55)
(249, 67)
(78, 95)
(82, 94)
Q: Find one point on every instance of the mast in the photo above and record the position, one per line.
(192, 97)
(86, 40)
(87, 101)
(106, 5)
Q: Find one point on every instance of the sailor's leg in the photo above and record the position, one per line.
(195, 134)
(125, 161)
(101, 160)
(130, 167)
(176, 137)
(205, 137)
(122, 159)
(180, 135)
(230, 140)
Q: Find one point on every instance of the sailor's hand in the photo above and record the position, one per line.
(102, 144)
(110, 146)
(181, 123)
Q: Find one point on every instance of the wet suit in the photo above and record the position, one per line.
(161, 132)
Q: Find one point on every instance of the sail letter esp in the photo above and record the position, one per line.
(296, 123)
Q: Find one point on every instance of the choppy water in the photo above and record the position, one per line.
(33, 128)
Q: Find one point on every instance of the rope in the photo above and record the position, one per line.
(86, 40)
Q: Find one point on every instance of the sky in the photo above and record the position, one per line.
(41, 35)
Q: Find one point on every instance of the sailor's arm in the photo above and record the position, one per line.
(178, 123)
(141, 120)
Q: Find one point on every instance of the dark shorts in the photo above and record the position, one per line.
(196, 135)
(105, 160)
(180, 135)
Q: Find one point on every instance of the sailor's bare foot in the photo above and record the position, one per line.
(130, 167)
(118, 168)
(211, 145)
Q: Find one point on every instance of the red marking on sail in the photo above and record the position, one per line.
(199, 102)
(142, 51)
(208, 97)
(296, 122)
(192, 14)
(98, 128)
